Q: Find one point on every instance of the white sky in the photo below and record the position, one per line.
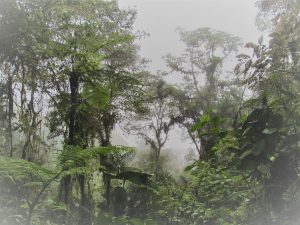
(160, 18)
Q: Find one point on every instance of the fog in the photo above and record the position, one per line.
(214, 151)
(160, 19)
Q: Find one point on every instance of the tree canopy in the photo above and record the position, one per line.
(71, 76)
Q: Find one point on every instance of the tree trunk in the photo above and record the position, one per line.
(74, 85)
(74, 101)
(104, 134)
(84, 209)
(65, 184)
(10, 99)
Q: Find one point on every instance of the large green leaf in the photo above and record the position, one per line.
(270, 130)
(134, 175)
(246, 153)
(119, 221)
(136, 221)
(96, 95)
(190, 167)
(205, 119)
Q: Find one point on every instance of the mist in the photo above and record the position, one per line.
(149, 112)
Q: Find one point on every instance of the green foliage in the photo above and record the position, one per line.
(19, 171)
(134, 175)
(22, 185)
(205, 195)
(81, 53)
(75, 158)
(108, 219)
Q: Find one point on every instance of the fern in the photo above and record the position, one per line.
(75, 157)
(18, 170)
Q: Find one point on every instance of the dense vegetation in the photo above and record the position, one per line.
(70, 72)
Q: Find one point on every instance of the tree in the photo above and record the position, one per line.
(155, 122)
(269, 133)
(21, 68)
(79, 40)
(66, 47)
(202, 61)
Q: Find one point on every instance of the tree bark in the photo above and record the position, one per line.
(10, 99)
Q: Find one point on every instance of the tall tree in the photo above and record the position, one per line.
(74, 52)
(21, 57)
(269, 134)
(201, 66)
(154, 123)
(79, 35)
